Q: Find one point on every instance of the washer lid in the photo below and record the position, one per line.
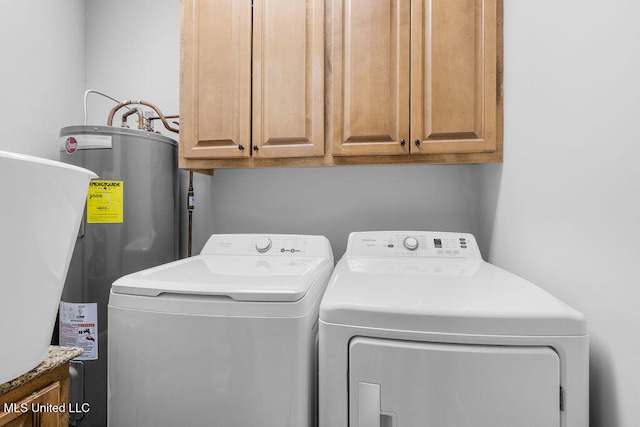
(451, 296)
(241, 278)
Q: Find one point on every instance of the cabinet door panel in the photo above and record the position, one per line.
(453, 88)
(370, 66)
(288, 78)
(215, 98)
(31, 411)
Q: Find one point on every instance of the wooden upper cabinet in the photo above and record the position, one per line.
(215, 78)
(405, 81)
(288, 78)
(252, 78)
(369, 61)
(441, 100)
(453, 76)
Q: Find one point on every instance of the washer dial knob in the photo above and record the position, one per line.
(263, 244)
(411, 243)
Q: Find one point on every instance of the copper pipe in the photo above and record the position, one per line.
(126, 115)
(140, 102)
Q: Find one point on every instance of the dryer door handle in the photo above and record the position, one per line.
(368, 405)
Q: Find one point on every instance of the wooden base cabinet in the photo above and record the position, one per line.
(41, 402)
(32, 410)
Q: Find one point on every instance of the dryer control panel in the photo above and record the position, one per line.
(408, 244)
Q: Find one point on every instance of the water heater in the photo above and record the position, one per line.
(130, 224)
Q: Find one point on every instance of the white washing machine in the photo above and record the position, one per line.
(417, 330)
(226, 338)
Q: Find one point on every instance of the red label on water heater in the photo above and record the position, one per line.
(71, 145)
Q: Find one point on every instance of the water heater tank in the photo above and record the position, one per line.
(130, 224)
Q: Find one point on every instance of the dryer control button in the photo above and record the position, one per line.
(263, 244)
(411, 243)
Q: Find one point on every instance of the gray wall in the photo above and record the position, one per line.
(563, 209)
(336, 201)
(42, 73)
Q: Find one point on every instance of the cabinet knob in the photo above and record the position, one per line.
(255, 147)
(417, 143)
(402, 142)
(240, 147)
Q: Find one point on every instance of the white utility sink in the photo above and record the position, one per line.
(41, 208)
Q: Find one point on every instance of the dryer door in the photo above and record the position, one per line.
(413, 384)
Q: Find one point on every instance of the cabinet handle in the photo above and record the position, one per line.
(402, 142)
(255, 147)
(240, 147)
(417, 143)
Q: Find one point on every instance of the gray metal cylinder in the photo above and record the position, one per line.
(147, 164)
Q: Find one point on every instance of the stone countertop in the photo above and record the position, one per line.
(57, 356)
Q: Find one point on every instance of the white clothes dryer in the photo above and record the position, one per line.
(417, 330)
(225, 338)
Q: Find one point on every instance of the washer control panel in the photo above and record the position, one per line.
(268, 244)
(407, 244)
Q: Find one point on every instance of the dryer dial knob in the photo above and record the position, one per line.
(411, 243)
(263, 244)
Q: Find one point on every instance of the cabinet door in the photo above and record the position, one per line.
(453, 76)
(32, 410)
(288, 78)
(215, 80)
(370, 76)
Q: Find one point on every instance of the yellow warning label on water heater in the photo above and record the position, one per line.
(104, 202)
